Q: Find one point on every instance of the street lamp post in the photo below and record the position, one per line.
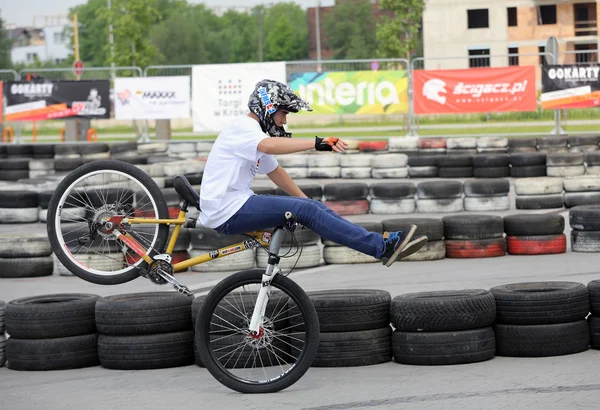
(318, 34)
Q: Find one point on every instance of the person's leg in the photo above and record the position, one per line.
(267, 211)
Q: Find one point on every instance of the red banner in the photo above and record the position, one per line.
(474, 90)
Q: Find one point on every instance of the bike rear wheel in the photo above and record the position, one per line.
(276, 359)
(86, 196)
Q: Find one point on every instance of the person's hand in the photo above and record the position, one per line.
(330, 144)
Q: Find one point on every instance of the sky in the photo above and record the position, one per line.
(21, 12)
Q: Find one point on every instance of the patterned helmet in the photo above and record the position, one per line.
(270, 96)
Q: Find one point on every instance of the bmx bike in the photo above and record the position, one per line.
(256, 332)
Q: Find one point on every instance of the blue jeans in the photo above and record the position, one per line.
(267, 211)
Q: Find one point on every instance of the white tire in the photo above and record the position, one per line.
(187, 155)
(584, 148)
(182, 147)
(37, 174)
(393, 206)
(487, 203)
(492, 150)
(59, 268)
(384, 161)
(156, 170)
(297, 173)
(237, 261)
(41, 164)
(67, 214)
(402, 143)
(343, 255)
(538, 186)
(325, 172)
(160, 181)
(423, 172)
(592, 170)
(439, 205)
(202, 154)
(323, 160)
(432, 251)
(553, 150)
(356, 160)
(24, 245)
(153, 148)
(310, 257)
(97, 155)
(461, 143)
(582, 184)
(61, 156)
(204, 146)
(293, 161)
(18, 215)
(356, 173)
(492, 142)
(379, 173)
(567, 171)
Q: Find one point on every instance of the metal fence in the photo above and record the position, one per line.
(9, 75)
(91, 73)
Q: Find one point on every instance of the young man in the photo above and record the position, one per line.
(242, 150)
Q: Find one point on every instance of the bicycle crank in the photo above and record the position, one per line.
(179, 286)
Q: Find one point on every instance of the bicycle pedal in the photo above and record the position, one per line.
(177, 285)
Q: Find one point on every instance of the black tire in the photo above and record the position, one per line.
(531, 171)
(490, 161)
(552, 201)
(14, 164)
(444, 348)
(585, 218)
(443, 311)
(534, 224)
(162, 212)
(203, 327)
(43, 151)
(541, 303)
(527, 159)
(567, 159)
(19, 199)
(486, 188)
(349, 310)
(573, 199)
(592, 158)
(14, 175)
(423, 161)
(312, 191)
(26, 267)
(432, 228)
(301, 236)
(439, 189)
(393, 190)
(52, 354)
(423, 172)
(120, 147)
(142, 352)
(522, 142)
(473, 226)
(455, 161)
(369, 226)
(594, 292)
(594, 324)
(495, 172)
(19, 150)
(67, 164)
(542, 340)
(209, 239)
(552, 142)
(584, 140)
(133, 160)
(95, 148)
(345, 191)
(457, 172)
(67, 149)
(51, 316)
(145, 313)
(585, 241)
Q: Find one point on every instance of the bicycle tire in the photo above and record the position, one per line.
(203, 329)
(144, 180)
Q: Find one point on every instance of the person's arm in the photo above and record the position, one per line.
(276, 146)
(282, 179)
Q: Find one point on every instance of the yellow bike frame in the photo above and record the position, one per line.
(259, 238)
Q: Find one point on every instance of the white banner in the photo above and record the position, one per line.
(152, 98)
(220, 92)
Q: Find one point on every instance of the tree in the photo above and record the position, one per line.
(400, 36)
(5, 47)
(132, 21)
(93, 33)
(286, 33)
(351, 30)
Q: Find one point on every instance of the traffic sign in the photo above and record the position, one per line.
(78, 67)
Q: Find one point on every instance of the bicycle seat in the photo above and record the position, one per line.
(186, 191)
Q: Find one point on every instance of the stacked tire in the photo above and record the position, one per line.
(313, 191)
(583, 190)
(486, 195)
(41, 168)
(553, 145)
(585, 224)
(355, 166)
(432, 228)
(152, 330)
(527, 165)
(565, 165)
(594, 318)
(324, 165)
(455, 166)
(491, 166)
(474, 236)
(299, 249)
(18, 207)
(440, 196)
(354, 327)
(25, 256)
(584, 143)
(404, 145)
(432, 146)
(205, 240)
(393, 198)
(347, 198)
(51, 332)
(13, 169)
(592, 163)
(334, 253)
(461, 146)
(443, 327)
(296, 165)
(535, 234)
(537, 319)
(539, 193)
(389, 166)
(492, 144)
(423, 166)
(522, 145)
(2, 334)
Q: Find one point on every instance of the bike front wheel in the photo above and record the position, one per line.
(275, 359)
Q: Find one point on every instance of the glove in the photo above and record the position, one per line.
(325, 144)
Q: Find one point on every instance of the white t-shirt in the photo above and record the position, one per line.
(233, 162)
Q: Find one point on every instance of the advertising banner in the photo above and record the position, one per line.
(152, 98)
(37, 101)
(474, 90)
(220, 92)
(353, 92)
(570, 86)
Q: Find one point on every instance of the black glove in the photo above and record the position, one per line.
(325, 144)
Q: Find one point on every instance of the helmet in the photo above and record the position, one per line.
(269, 97)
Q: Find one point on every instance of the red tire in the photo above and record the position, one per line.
(173, 212)
(537, 244)
(432, 142)
(358, 207)
(475, 248)
(369, 146)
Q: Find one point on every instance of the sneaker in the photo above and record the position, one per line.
(399, 245)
